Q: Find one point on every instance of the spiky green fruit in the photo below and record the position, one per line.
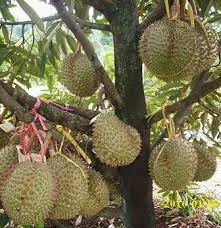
(115, 143)
(206, 165)
(28, 194)
(72, 185)
(98, 195)
(173, 164)
(172, 50)
(8, 157)
(167, 47)
(78, 76)
(207, 47)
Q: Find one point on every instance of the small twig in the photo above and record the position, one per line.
(193, 5)
(178, 119)
(198, 91)
(199, 88)
(104, 6)
(82, 23)
(182, 9)
(157, 14)
(211, 111)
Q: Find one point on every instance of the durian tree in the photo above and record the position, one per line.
(179, 80)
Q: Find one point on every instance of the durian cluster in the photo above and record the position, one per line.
(65, 186)
(172, 50)
(176, 163)
(59, 189)
(78, 75)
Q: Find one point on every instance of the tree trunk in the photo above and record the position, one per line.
(136, 183)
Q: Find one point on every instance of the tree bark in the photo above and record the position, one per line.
(135, 180)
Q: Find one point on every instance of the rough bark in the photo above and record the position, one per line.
(135, 181)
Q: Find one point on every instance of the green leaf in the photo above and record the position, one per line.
(6, 14)
(51, 54)
(52, 28)
(61, 41)
(42, 64)
(57, 51)
(4, 52)
(203, 118)
(5, 33)
(214, 19)
(215, 127)
(165, 194)
(50, 82)
(4, 219)
(39, 226)
(71, 42)
(172, 85)
(32, 14)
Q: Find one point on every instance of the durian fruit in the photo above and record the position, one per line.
(167, 47)
(78, 76)
(98, 195)
(207, 48)
(206, 165)
(28, 194)
(115, 143)
(173, 164)
(8, 157)
(72, 185)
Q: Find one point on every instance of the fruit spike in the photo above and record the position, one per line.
(78, 76)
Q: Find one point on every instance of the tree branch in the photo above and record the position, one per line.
(178, 119)
(197, 85)
(103, 6)
(28, 22)
(25, 98)
(50, 112)
(13, 105)
(22, 113)
(198, 92)
(157, 14)
(91, 25)
(101, 74)
(82, 23)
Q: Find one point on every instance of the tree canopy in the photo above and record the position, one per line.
(108, 32)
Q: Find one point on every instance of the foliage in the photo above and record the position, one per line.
(4, 219)
(215, 215)
(188, 201)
